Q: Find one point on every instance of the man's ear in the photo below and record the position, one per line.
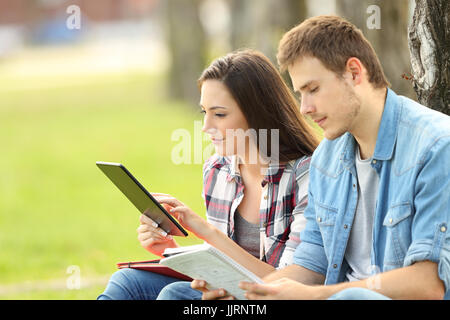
(355, 68)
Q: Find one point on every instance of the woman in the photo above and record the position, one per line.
(254, 201)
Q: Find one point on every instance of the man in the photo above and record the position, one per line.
(379, 192)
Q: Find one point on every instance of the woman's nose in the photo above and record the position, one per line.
(207, 125)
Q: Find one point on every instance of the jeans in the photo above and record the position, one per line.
(180, 290)
(358, 294)
(183, 291)
(132, 284)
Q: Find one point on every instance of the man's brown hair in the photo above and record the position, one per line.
(332, 40)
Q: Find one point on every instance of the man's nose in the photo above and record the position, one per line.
(306, 106)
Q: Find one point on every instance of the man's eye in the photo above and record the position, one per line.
(314, 90)
(203, 111)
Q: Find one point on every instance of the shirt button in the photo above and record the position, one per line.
(334, 266)
(354, 185)
(443, 228)
(265, 224)
(390, 220)
(266, 196)
(345, 226)
(374, 161)
(319, 219)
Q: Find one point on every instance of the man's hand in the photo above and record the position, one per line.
(218, 294)
(282, 289)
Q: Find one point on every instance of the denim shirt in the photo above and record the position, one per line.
(412, 160)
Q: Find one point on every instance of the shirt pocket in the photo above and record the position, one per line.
(397, 223)
(326, 220)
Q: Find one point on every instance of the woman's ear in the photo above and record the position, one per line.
(355, 68)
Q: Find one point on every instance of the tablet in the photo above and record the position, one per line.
(140, 197)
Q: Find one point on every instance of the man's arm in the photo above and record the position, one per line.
(297, 273)
(418, 281)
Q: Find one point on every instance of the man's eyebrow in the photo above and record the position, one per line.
(305, 85)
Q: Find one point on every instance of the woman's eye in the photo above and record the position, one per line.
(220, 115)
(314, 90)
(203, 111)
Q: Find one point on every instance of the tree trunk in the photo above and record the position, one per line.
(187, 46)
(259, 24)
(429, 44)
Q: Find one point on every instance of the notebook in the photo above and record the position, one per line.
(153, 266)
(210, 264)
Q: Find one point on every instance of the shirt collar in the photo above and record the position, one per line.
(273, 173)
(233, 172)
(387, 132)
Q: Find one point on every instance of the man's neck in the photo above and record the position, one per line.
(366, 128)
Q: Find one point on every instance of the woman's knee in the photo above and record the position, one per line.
(179, 291)
(132, 284)
(118, 287)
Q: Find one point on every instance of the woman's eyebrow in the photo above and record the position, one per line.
(213, 107)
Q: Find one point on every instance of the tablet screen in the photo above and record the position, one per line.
(140, 197)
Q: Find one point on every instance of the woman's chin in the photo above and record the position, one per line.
(221, 151)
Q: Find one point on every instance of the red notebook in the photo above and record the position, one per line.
(153, 266)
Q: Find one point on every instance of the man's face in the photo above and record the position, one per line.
(327, 98)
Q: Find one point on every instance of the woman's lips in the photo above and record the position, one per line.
(217, 141)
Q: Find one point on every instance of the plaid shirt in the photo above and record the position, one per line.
(285, 196)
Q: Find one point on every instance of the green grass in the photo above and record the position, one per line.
(56, 207)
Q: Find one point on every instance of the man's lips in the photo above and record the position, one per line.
(320, 121)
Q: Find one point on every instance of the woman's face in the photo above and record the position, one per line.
(223, 119)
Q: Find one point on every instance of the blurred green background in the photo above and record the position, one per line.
(117, 89)
(57, 208)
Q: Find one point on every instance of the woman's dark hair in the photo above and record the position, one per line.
(265, 100)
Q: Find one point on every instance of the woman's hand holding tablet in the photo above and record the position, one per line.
(153, 238)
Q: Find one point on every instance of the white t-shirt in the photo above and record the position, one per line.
(359, 244)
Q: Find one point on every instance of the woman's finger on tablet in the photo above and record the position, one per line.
(142, 228)
(171, 201)
(153, 230)
(146, 220)
(159, 195)
(147, 236)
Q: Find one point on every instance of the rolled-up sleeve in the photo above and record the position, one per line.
(310, 253)
(430, 234)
